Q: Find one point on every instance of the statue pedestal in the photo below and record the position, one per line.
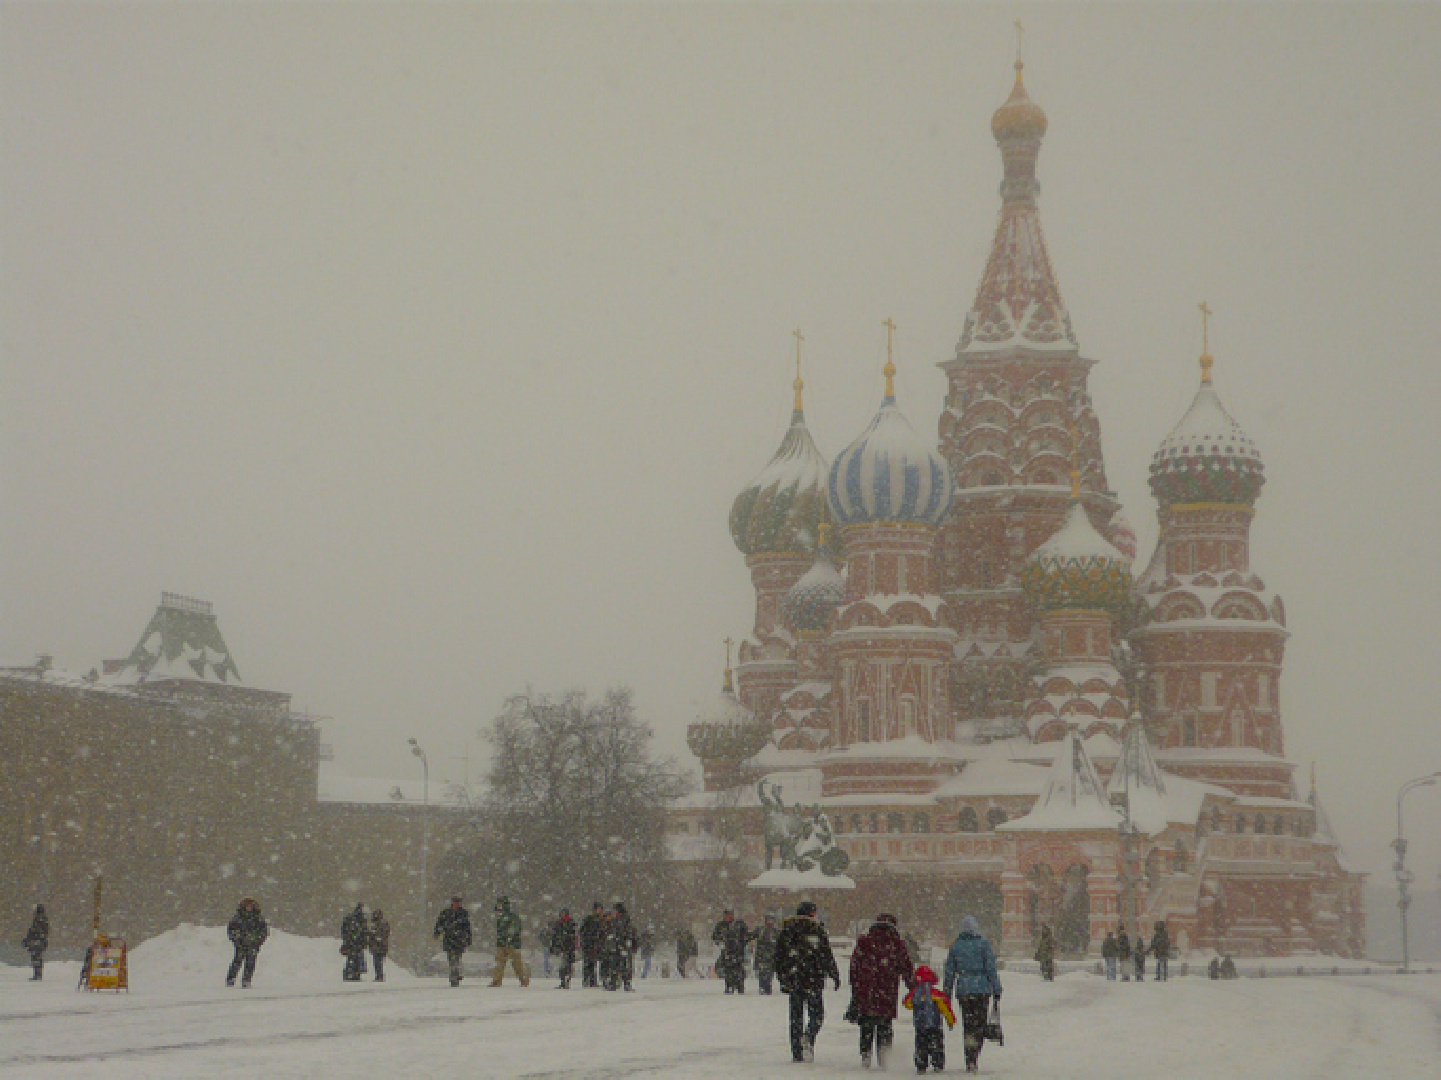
(813, 880)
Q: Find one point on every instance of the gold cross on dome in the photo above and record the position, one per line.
(1020, 36)
(1205, 326)
(890, 369)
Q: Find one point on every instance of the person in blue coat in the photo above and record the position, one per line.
(971, 974)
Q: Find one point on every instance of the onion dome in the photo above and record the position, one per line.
(808, 604)
(726, 730)
(1207, 458)
(889, 473)
(780, 509)
(1019, 117)
(1077, 567)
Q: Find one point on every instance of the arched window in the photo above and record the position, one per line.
(875, 823)
(996, 815)
(857, 826)
(1278, 826)
(895, 823)
(921, 823)
(1240, 823)
(968, 821)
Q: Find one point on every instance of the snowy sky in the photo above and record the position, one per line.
(432, 343)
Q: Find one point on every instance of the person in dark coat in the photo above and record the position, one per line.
(878, 967)
(1046, 953)
(1108, 954)
(686, 950)
(1161, 950)
(1228, 968)
(621, 943)
(1138, 954)
(379, 942)
(766, 953)
(971, 974)
(453, 928)
(354, 936)
(803, 963)
(1123, 954)
(36, 941)
(562, 946)
(592, 940)
(247, 932)
(732, 934)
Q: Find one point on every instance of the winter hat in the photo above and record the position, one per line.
(970, 926)
(806, 908)
(925, 974)
(886, 917)
(619, 908)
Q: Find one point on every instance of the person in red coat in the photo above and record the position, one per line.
(879, 965)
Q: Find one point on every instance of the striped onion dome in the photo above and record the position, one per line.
(890, 474)
(1077, 567)
(780, 510)
(1207, 458)
(808, 604)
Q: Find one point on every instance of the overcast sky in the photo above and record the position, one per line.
(432, 343)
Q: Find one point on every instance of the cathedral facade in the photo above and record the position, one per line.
(956, 656)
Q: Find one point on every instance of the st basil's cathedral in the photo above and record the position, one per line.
(954, 659)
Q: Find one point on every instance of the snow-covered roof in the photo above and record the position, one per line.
(1157, 799)
(911, 747)
(1072, 800)
(992, 771)
(1077, 538)
(181, 642)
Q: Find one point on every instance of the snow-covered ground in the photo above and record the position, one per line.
(300, 1020)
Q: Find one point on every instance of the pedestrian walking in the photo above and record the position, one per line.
(1138, 954)
(732, 935)
(592, 939)
(1123, 954)
(507, 943)
(879, 965)
(36, 941)
(354, 937)
(1108, 956)
(562, 946)
(929, 1009)
(623, 942)
(1046, 953)
(803, 963)
(647, 949)
(247, 932)
(379, 942)
(766, 953)
(972, 977)
(452, 926)
(686, 950)
(1161, 950)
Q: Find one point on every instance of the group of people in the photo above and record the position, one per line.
(803, 960)
(452, 929)
(358, 936)
(607, 944)
(1121, 956)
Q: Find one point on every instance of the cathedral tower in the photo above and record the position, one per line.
(1016, 391)
(1210, 637)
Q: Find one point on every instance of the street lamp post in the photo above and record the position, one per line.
(418, 751)
(1404, 877)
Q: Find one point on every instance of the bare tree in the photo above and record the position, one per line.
(576, 805)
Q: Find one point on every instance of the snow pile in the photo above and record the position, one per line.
(196, 957)
(801, 880)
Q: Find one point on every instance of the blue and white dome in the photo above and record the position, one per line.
(889, 474)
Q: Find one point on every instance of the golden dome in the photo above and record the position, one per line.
(1019, 117)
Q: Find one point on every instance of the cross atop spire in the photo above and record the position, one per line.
(889, 371)
(1020, 38)
(799, 385)
(728, 687)
(1206, 359)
